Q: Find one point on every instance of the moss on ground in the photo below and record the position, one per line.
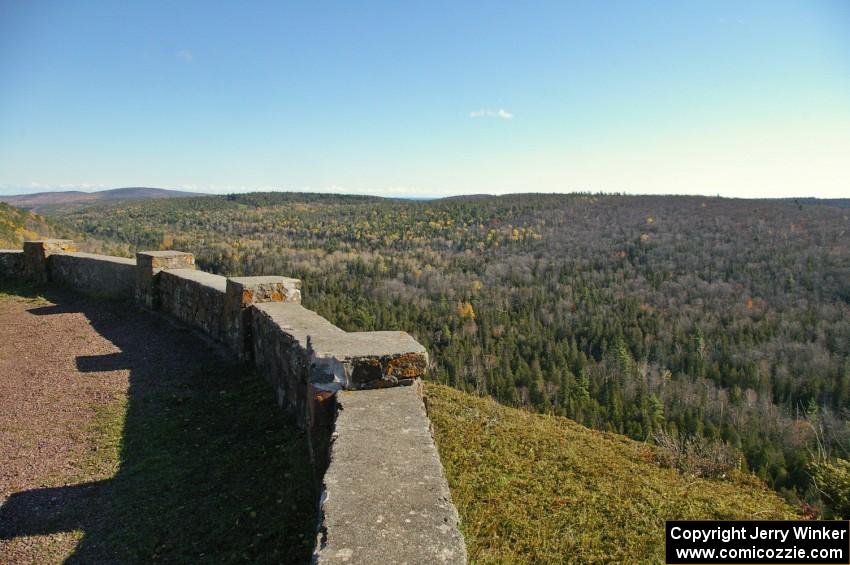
(532, 488)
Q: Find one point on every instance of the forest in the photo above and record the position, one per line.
(670, 319)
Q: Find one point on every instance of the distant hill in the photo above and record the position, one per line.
(533, 488)
(40, 200)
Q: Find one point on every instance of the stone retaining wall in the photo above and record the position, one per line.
(384, 494)
(100, 274)
(194, 297)
(11, 263)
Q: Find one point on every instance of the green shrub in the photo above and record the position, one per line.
(832, 479)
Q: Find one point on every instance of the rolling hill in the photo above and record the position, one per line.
(42, 200)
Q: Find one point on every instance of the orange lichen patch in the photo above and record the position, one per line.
(367, 370)
(749, 303)
(247, 296)
(276, 296)
(621, 254)
(644, 307)
(322, 395)
(406, 366)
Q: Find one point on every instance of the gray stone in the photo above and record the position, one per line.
(11, 263)
(349, 360)
(148, 266)
(386, 499)
(36, 254)
(100, 274)
(241, 292)
(194, 297)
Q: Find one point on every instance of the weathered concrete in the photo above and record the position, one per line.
(36, 254)
(280, 340)
(386, 499)
(194, 297)
(101, 274)
(240, 293)
(307, 359)
(148, 266)
(11, 263)
(349, 360)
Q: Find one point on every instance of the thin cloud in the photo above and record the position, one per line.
(501, 113)
(186, 56)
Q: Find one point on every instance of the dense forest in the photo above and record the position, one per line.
(668, 319)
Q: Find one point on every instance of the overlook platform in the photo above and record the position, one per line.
(126, 438)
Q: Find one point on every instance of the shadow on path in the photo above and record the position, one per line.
(208, 470)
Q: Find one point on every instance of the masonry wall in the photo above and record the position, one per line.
(384, 494)
(98, 274)
(194, 297)
(11, 263)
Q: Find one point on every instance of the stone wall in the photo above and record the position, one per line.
(99, 274)
(194, 297)
(11, 263)
(384, 494)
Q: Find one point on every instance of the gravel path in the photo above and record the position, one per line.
(60, 362)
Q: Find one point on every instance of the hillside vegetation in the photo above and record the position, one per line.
(542, 489)
(663, 318)
(16, 226)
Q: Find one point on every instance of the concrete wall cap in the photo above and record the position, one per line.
(215, 282)
(162, 253)
(266, 279)
(109, 258)
(50, 240)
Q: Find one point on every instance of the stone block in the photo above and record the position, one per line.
(240, 294)
(36, 254)
(386, 498)
(148, 266)
(371, 359)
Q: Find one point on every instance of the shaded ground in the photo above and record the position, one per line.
(124, 439)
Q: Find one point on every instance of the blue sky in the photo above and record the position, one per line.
(427, 98)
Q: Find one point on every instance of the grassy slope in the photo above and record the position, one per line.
(543, 489)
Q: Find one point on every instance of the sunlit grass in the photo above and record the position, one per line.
(533, 488)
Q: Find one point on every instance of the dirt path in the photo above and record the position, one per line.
(46, 403)
(57, 371)
(128, 439)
